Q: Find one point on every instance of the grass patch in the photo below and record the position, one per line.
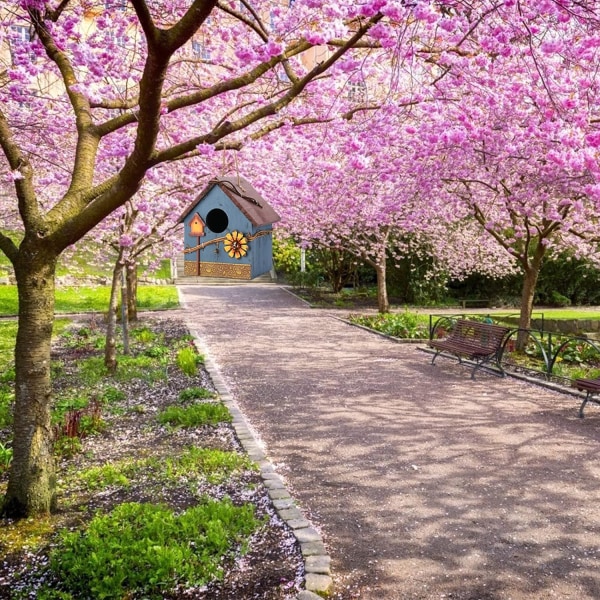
(93, 299)
(215, 466)
(93, 371)
(550, 313)
(116, 474)
(188, 360)
(149, 548)
(196, 415)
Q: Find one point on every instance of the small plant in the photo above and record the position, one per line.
(108, 475)
(196, 415)
(91, 424)
(188, 360)
(194, 393)
(8, 376)
(92, 370)
(158, 351)
(68, 404)
(112, 395)
(139, 367)
(67, 447)
(83, 419)
(216, 466)
(6, 401)
(143, 335)
(6, 455)
(147, 549)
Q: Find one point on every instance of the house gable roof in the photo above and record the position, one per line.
(239, 190)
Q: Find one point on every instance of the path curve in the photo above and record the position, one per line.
(424, 483)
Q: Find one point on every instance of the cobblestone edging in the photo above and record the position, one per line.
(317, 563)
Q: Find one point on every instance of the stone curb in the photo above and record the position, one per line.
(317, 563)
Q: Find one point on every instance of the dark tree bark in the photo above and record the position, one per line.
(31, 486)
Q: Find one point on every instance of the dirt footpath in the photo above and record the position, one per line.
(424, 483)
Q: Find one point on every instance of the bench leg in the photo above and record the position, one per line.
(587, 399)
(483, 362)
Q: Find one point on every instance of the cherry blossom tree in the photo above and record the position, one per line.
(511, 141)
(94, 95)
(362, 196)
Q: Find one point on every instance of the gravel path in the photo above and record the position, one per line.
(424, 483)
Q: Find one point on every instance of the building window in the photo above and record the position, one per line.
(116, 4)
(20, 37)
(282, 76)
(199, 50)
(20, 34)
(357, 91)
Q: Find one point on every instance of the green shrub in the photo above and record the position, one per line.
(92, 370)
(286, 256)
(188, 360)
(159, 351)
(196, 415)
(143, 335)
(147, 549)
(194, 393)
(557, 299)
(62, 406)
(402, 325)
(91, 424)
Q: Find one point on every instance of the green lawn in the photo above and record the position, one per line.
(555, 313)
(94, 299)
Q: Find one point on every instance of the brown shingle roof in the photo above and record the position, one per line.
(240, 191)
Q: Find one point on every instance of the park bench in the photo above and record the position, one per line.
(592, 388)
(477, 341)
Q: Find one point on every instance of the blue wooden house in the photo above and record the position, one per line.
(228, 231)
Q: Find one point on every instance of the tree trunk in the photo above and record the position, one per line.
(530, 277)
(527, 294)
(132, 284)
(383, 303)
(110, 347)
(31, 483)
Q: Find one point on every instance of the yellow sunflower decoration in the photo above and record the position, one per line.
(236, 244)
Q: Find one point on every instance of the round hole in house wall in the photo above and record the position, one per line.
(217, 220)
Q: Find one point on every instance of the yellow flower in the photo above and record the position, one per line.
(236, 244)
